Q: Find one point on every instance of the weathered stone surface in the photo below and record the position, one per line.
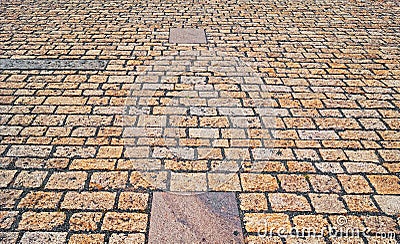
(187, 35)
(151, 180)
(253, 201)
(9, 197)
(316, 223)
(360, 203)
(6, 176)
(129, 222)
(133, 201)
(354, 184)
(72, 180)
(389, 204)
(206, 217)
(324, 183)
(267, 222)
(41, 220)
(51, 64)
(259, 182)
(8, 237)
(92, 163)
(327, 203)
(88, 200)
(85, 221)
(44, 237)
(29, 151)
(136, 238)
(40, 199)
(288, 202)
(223, 182)
(108, 180)
(86, 238)
(30, 179)
(189, 182)
(304, 240)
(7, 218)
(385, 184)
(106, 111)
(380, 224)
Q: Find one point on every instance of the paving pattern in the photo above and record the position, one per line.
(292, 106)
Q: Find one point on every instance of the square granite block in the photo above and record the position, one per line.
(187, 36)
(211, 217)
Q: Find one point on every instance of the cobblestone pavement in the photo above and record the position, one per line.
(291, 105)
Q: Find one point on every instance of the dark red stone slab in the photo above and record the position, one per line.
(211, 217)
(187, 35)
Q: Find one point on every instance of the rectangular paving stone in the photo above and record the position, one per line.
(41, 220)
(100, 200)
(44, 237)
(85, 221)
(131, 222)
(6, 176)
(267, 222)
(72, 180)
(86, 238)
(8, 197)
(311, 124)
(51, 64)
(211, 217)
(30, 179)
(187, 36)
(389, 204)
(127, 238)
(360, 203)
(288, 202)
(8, 237)
(186, 182)
(385, 184)
(29, 151)
(327, 203)
(40, 199)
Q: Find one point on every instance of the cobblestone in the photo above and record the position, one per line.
(259, 182)
(317, 222)
(41, 221)
(7, 219)
(253, 201)
(88, 200)
(86, 238)
(327, 203)
(31, 64)
(292, 105)
(85, 221)
(30, 179)
(44, 237)
(135, 238)
(67, 180)
(288, 202)
(385, 184)
(40, 199)
(108, 180)
(266, 223)
(388, 204)
(133, 201)
(360, 203)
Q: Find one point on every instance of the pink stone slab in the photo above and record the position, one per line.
(211, 217)
(187, 36)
